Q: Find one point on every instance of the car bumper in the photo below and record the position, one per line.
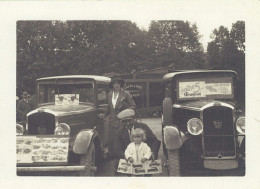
(221, 164)
(50, 169)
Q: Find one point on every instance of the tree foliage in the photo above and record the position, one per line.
(48, 48)
(227, 51)
(175, 42)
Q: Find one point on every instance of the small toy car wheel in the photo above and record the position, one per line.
(88, 160)
(173, 163)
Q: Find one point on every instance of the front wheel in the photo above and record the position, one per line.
(173, 162)
(88, 160)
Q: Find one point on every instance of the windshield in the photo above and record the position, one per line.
(209, 88)
(49, 92)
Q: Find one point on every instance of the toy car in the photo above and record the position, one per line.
(139, 171)
(122, 169)
(153, 164)
(126, 164)
(153, 169)
(137, 165)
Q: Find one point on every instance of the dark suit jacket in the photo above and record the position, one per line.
(151, 140)
(23, 108)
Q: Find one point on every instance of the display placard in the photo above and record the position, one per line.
(194, 89)
(67, 99)
(42, 149)
(149, 167)
(208, 88)
(218, 89)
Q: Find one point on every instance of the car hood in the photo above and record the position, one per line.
(201, 104)
(63, 109)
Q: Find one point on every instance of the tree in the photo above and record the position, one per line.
(47, 48)
(227, 51)
(175, 42)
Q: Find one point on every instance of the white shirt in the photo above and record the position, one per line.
(114, 99)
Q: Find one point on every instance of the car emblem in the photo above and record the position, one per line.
(217, 124)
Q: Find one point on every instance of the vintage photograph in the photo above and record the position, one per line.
(127, 98)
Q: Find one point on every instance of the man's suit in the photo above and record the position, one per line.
(23, 108)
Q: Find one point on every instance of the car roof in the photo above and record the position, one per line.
(91, 77)
(169, 76)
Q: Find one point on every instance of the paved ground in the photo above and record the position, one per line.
(108, 168)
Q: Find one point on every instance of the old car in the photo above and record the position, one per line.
(64, 133)
(203, 124)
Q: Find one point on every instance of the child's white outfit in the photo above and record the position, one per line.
(137, 152)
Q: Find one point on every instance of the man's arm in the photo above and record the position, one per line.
(151, 141)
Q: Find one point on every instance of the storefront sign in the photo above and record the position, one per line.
(134, 89)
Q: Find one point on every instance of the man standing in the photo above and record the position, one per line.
(24, 107)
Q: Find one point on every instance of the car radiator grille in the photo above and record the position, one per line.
(42, 119)
(218, 132)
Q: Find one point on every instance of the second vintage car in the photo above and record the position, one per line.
(203, 127)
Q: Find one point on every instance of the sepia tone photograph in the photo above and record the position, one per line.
(120, 98)
(109, 89)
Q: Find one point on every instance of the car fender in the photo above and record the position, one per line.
(82, 141)
(173, 138)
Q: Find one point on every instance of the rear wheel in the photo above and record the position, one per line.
(88, 160)
(173, 162)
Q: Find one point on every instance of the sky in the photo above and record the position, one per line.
(205, 27)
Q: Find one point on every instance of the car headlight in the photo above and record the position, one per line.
(19, 129)
(240, 125)
(195, 126)
(62, 129)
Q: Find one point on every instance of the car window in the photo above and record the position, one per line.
(47, 92)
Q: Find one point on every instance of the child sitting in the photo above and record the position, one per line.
(137, 151)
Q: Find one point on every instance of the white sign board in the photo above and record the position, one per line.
(41, 149)
(200, 89)
(194, 89)
(67, 99)
(218, 88)
(149, 167)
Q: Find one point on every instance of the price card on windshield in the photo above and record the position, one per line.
(192, 89)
